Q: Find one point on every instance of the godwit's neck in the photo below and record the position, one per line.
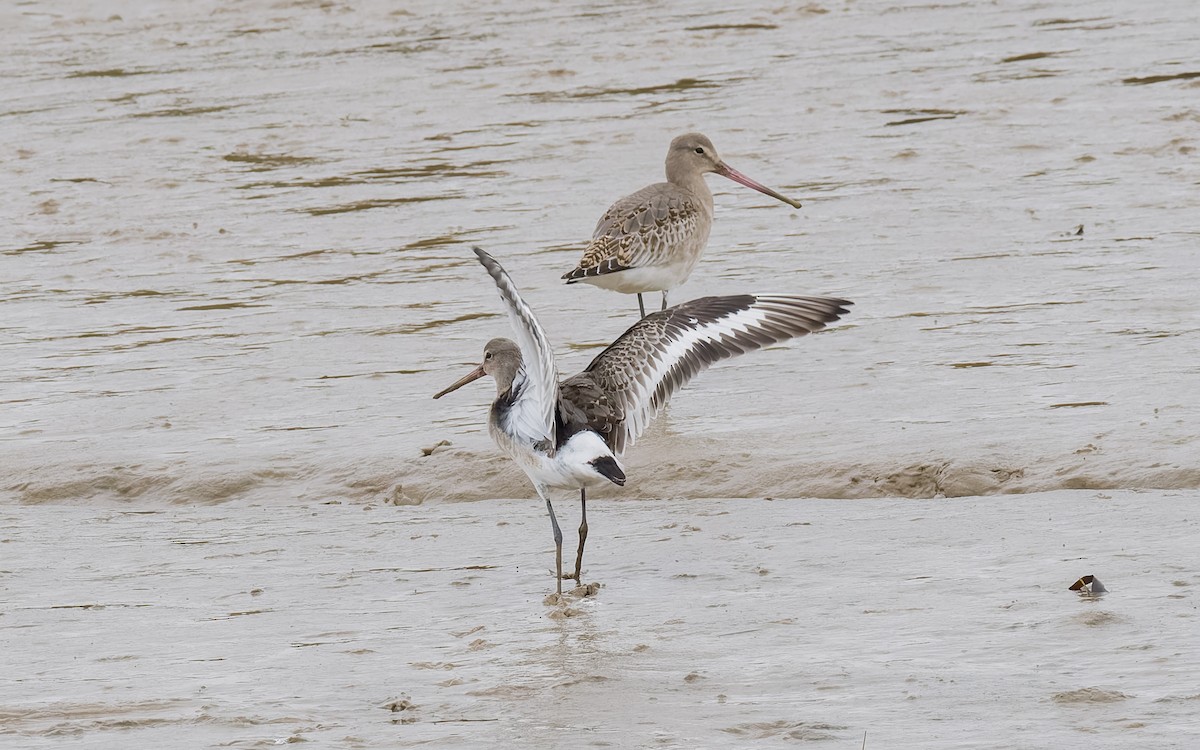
(506, 400)
(692, 182)
(509, 386)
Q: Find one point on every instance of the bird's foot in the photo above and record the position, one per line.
(566, 598)
(585, 590)
(565, 576)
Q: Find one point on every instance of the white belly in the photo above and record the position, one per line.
(644, 279)
(569, 468)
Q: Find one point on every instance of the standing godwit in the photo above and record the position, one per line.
(568, 435)
(651, 240)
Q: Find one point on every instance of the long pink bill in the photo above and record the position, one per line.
(725, 170)
(473, 375)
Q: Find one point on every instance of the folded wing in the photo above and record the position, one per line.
(638, 229)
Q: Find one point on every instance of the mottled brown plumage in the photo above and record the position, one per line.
(644, 228)
(652, 239)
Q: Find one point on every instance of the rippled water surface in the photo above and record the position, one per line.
(236, 248)
(235, 265)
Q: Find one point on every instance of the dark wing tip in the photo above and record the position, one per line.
(493, 267)
(609, 265)
(823, 309)
(842, 309)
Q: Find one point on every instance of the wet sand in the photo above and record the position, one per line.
(745, 623)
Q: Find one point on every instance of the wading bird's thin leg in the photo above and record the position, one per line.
(557, 539)
(664, 299)
(582, 536)
(641, 305)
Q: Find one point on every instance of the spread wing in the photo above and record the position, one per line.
(642, 369)
(638, 229)
(533, 411)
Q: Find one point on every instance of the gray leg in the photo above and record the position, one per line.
(664, 299)
(557, 539)
(641, 305)
(582, 536)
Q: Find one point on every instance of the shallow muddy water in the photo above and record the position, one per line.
(236, 248)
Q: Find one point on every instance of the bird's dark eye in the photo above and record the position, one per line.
(699, 149)
(488, 355)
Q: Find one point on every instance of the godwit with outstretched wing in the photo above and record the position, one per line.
(569, 435)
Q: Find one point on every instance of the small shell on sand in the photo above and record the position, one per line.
(1089, 586)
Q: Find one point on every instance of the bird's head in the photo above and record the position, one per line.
(501, 360)
(693, 154)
